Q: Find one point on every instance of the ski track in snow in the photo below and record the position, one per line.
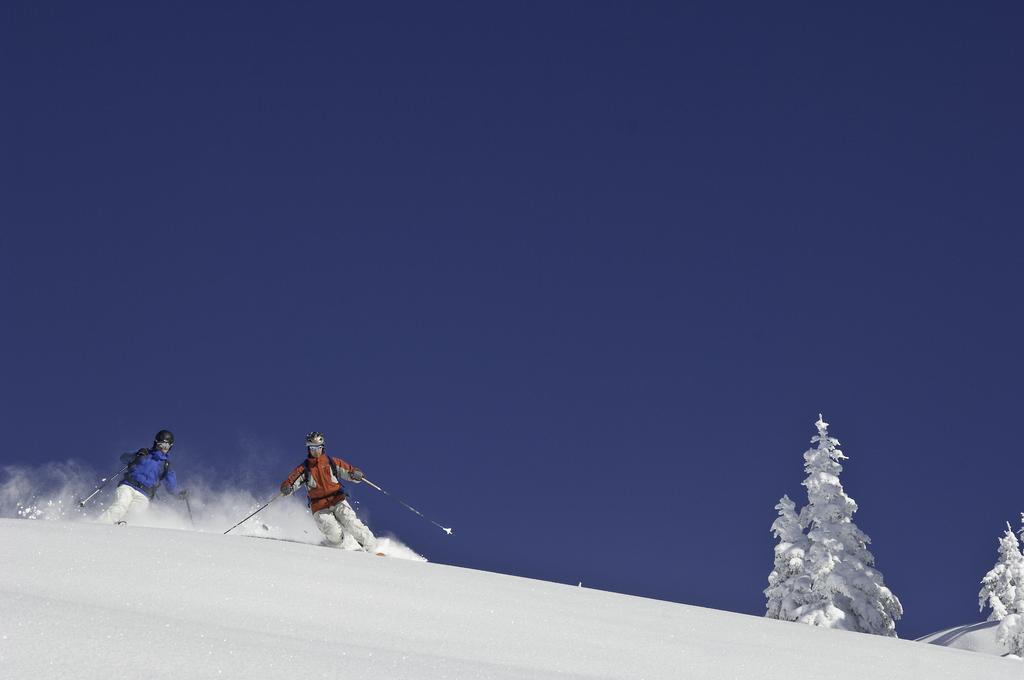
(81, 600)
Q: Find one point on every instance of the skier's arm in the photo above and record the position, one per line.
(129, 458)
(171, 483)
(293, 481)
(351, 472)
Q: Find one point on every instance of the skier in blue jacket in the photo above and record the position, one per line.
(147, 469)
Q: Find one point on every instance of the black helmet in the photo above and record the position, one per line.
(164, 437)
(315, 439)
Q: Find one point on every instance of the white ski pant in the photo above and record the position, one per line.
(342, 528)
(125, 498)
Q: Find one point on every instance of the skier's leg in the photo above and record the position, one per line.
(354, 527)
(118, 508)
(125, 498)
(328, 526)
(140, 503)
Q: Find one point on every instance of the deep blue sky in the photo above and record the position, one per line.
(573, 278)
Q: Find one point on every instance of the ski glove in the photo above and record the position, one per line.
(139, 454)
(356, 475)
(286, 489)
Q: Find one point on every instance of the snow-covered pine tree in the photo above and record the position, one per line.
(847, 592)
(1002, 590)
(788, 584)
(1001, 587)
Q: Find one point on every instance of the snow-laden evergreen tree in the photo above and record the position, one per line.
(1001, 587)
(846, 591)
(1002, 590)
(788, 584)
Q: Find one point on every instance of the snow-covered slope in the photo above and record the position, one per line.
(80, 600)
(974, 637)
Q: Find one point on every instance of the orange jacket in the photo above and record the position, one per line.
(323, 489)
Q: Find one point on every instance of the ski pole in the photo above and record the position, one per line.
(188, 506)
(446, 530)
(103, 483)
(276, 496)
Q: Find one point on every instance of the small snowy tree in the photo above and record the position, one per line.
(1002, 590)
(846, 591)
(788, 584)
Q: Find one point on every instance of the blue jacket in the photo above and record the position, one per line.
(151, 469)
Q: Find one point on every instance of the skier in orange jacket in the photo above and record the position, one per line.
(322, 476)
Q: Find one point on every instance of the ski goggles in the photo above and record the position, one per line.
(315, 447)
(164, 446)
